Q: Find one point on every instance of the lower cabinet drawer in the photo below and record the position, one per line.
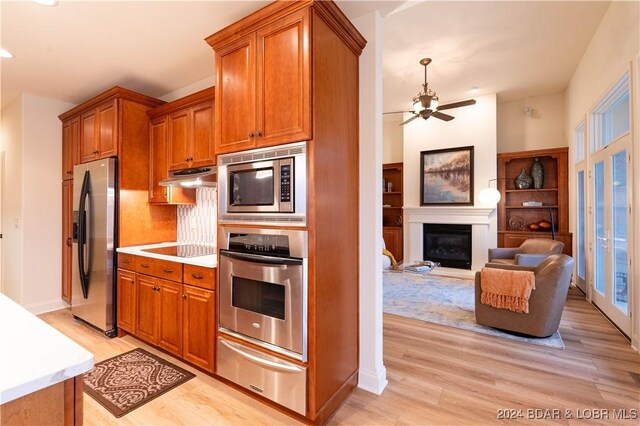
(159, 268)
(200, 276)
(271, 377)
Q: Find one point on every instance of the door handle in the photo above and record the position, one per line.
(68, 241)
(144, 265)
(197, 277)
(168, 270)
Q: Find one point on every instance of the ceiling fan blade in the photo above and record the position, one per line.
(396, 112)
(409, 120)
(457, 104)
(442, 116)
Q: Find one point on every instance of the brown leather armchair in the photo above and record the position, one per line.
(546, 302)
(530, 253)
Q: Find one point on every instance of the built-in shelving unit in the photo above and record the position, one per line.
(392, 208)
(554, 196)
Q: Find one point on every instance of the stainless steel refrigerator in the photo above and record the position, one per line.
(94, 243)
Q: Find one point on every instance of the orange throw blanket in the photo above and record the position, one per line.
(506, 289)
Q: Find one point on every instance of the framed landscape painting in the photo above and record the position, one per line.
(447, 177)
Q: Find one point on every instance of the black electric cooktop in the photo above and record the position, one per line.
(183, 250)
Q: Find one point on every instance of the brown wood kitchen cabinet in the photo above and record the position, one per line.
(127, 300)
(263, 84)
(98, 132)
(159, 168)
(287, 73)
(67, 224)
(70, 140)
(173, 313)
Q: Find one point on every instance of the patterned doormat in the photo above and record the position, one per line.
(127, 381)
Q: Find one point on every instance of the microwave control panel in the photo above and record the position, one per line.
(285, 183)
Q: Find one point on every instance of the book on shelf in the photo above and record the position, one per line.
(532, 203)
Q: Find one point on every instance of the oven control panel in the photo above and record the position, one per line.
(272, 245)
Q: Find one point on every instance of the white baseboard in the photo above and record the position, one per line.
(45, 306)
(371, 382)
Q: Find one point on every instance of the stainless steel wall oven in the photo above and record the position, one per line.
(263, 300)
(263, 288)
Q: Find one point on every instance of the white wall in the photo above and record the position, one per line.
(392, 138)
(613, 47)
(473, 125)
(372, 375)
(543, 127)
(12, 200)
(189, 89)
(32, 207)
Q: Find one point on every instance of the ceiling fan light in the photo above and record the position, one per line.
(417, 106)
(434, 103)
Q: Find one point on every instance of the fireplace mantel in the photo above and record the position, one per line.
(482, 220)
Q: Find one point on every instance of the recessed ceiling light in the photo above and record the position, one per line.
(47, 2)
(474, 89)
(5, 54)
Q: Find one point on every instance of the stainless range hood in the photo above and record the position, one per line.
(191, 178)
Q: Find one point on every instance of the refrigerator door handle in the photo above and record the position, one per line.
(83, 253)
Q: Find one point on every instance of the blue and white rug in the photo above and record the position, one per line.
(443, 300)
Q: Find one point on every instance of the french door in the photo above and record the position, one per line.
(611, 230)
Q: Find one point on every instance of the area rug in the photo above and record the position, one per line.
(127, 381)
(443, 300)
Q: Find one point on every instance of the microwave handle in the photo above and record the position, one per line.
(256, 258)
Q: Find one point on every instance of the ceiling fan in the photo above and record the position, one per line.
(426, 103)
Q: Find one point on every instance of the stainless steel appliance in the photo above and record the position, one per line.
(263, 288)
(281, 381)
(263, 300)
(94, 222)
(267, 185)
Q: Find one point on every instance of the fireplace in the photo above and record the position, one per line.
(448, 244)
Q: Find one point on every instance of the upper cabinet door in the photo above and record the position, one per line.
(98, 132)
(70, 137)
(283, 81)
(179, 129)
(107, 134)
(88, 129)
(202, 149)
(158, 160)
(235, 102)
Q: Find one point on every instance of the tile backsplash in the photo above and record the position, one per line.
(197, 224)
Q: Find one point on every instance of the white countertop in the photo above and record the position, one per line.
(210, 261)
(34, 355)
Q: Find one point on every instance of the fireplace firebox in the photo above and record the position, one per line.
(450, 245)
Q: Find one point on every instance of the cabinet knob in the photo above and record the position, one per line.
(168, 270)
(131, 281)
(251, 134)
(258, 134)
(144, 265)
(197, 276)
(184, 296)
(68, 241)
(126, 261)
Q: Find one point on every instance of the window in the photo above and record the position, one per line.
(610, 118)
(579, 142)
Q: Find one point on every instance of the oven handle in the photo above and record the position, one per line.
(261, 259)
(234, 347)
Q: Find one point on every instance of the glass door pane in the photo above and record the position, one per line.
(600, 230)
(619, 205)
(582, 266)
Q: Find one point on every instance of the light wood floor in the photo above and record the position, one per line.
(437, 375)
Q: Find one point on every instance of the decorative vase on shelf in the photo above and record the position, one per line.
(523, 181)
(537, 173)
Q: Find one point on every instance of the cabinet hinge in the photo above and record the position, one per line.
(629, 212)
(629, 158)
(589, 174)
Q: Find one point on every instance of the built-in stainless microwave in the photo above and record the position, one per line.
(267, 185)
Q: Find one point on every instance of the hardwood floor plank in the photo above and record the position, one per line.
(437, 375)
